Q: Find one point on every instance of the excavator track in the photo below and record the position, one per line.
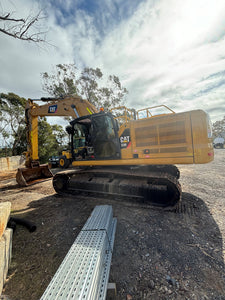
(152, 185)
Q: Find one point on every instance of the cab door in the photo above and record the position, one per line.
(104, 133)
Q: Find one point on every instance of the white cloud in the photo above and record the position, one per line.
(171, 51)
(164, 52)
(21, 63)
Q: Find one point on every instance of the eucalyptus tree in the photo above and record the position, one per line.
(90, 84)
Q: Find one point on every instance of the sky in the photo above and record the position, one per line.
(168, 52)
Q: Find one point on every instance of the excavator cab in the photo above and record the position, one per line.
(101, 133)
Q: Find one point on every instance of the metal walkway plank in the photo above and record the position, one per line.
(84, 272)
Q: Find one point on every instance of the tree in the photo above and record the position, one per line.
(114, 93)
(219, 128)
(12, 126)
(50, 139)
(90, 84)
(13, 129)
(26, 29)
(62, 82)
(60, 134)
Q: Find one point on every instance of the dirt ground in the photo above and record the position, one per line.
(157, 254)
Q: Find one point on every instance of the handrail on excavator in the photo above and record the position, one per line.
(148, 113)
(128, 114)
(132, 114)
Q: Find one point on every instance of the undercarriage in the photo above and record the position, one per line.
(154, 185)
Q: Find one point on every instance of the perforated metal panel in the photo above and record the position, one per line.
(84, 271)
(100, 219)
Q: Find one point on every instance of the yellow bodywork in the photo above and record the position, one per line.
(182, 138)
(67, 154)
(171, 138)
(71, 106)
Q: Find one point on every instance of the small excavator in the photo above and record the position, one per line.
(130, 154)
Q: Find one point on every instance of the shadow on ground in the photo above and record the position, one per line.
(157, 254)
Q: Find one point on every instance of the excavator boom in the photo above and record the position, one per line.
(72, 106)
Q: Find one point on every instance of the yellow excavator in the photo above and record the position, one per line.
(130, 154)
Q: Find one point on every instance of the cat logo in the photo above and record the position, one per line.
(124, 141)
(52, 109)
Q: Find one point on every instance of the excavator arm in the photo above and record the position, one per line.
(71, 106)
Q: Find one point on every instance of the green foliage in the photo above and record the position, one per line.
(59, 133)
(61, 82)
(20, 141)
(12, 124)
(90, 84)
(219, 128)
(50, 139)
(13, 130)
(4, 152)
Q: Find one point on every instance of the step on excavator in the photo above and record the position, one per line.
(124, 153)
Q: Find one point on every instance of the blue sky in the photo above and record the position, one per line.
(165, 52)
